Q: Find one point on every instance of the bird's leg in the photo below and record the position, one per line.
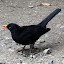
(23, 48)
(31, 47)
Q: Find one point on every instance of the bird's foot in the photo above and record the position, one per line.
(21, 49)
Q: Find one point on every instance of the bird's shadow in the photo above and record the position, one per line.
(39, 48)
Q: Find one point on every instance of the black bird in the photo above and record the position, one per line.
(27, 35)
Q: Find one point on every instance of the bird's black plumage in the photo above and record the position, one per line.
(27, 35)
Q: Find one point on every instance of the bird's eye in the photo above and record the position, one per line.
(9, 27)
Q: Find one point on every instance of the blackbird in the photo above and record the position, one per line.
(27, 35)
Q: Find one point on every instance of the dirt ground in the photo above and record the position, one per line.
(29, 12)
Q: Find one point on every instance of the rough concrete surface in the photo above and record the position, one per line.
(28, 12)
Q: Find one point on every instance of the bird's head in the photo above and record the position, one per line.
(11, 26)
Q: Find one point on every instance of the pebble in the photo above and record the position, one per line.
(47, 51)
(62, 26)
(11, 50)
(41, 40)
(50, 61)
(32, 56)
(7, 38)
(30, 6)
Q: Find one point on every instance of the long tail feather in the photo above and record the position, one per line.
(49, 17)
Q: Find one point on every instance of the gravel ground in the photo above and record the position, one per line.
(28, 12)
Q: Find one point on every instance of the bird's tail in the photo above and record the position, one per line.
(49, 17)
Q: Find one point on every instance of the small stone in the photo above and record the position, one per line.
(50, 62)
(62, 27)
(47, 51)
(7, 37)
(30, 6)
(41, 41)
(32, 56)
(11, 50)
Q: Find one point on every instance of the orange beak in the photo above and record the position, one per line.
(4, 26)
